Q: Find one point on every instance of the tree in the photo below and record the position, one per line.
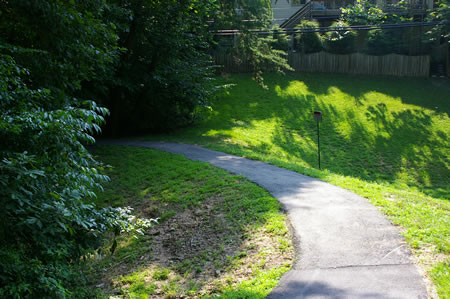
(441, 32)
(363, 12)
(259, 50)
(163, 72)
(382, 41)
(47, 177)
(62, 43)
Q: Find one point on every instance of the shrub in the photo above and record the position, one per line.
(280, 40)
(340, 41)
(379, 43)
(309, 42)
(46, 179)
(386, 41)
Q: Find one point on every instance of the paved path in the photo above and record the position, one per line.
(345, 247)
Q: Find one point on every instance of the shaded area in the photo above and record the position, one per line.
(215, 229)
(353, 282)
(318, 289)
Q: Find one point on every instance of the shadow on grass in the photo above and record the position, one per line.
(360, 137)
(211, 224)
(203, 251)
(415, 91)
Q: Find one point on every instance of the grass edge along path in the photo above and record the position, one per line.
(219, 234)
(241, 125)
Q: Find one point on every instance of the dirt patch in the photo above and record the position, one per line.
(202, 250)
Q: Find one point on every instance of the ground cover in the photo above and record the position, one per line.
(383, 138)
(218, 234)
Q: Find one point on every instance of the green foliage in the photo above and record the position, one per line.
(363, 12)
(401, 15)
(46, 179)
(146, 60)
(62, 43)
(341, 41)
(441, 13)
(142, 58)
(441, 277)
(163, 73)
(264, 53)
(45, 175)
(258, 51)
(309, 42)
(281, 40)
(385, 41)
(406, 41)
(161, 274)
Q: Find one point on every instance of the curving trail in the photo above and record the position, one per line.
(345, 247)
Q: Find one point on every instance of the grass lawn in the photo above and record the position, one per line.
(383, 138)
(218, 235)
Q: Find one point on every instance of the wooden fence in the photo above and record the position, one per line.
(357, 63)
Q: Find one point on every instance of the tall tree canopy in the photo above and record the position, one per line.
(163, 72)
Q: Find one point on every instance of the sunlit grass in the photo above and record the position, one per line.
(383, 138)
(231, 219)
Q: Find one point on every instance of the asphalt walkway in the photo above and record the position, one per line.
(345, 248)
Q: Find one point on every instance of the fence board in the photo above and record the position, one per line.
(357, 63)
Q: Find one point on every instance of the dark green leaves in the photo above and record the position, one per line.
(47, 177)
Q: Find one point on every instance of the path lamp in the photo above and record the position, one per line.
(318, 119)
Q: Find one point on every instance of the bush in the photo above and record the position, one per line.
(309, 42)
(387, 41)
(46, 179)
(340, 41)
(280, 40)
(380, 42)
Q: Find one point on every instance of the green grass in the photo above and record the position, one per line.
(228, 216)
(441, 276)
(383, 138)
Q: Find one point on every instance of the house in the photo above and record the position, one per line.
(288, 13)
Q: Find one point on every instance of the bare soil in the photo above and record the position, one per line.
(201, 248)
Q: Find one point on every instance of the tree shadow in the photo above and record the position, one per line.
(204, 236)
(320, 290)
(425, 94)
(402, 142)
(366, 139)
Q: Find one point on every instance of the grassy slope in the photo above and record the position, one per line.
(383, 138)
(218, 233)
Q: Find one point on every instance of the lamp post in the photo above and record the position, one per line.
(318, 119)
